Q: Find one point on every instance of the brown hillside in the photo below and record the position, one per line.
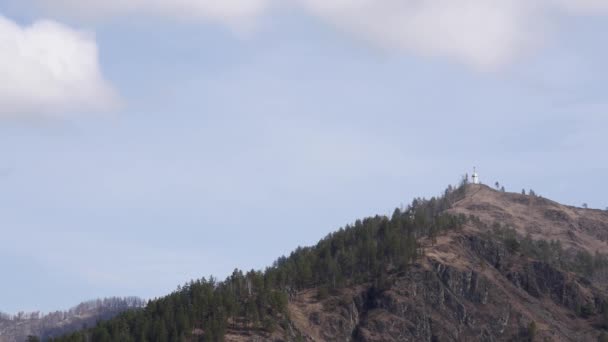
(579, 228)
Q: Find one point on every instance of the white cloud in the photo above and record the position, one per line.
(486, 34)
(49, 69)
(482, 33)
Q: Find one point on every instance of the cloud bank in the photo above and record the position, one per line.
(484, 34)
(49, 69)
(480, 33)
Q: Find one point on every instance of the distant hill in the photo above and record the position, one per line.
(473, 264)
(16, 328)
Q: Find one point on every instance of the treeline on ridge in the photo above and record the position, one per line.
(203, 310)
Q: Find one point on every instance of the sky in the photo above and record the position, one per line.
(147, 143)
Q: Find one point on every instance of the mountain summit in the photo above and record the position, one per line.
(474, 264)
(521, 268)
(578, 228)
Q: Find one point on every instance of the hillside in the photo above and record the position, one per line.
(16, 328)
(472, 265)
(578, 228)
(522, 267)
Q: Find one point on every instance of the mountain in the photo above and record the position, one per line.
(17, 328)
(474, 264)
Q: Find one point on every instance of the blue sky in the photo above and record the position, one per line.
(144, 144)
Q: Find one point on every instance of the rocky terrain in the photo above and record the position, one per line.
(523, 268)
(16, 328)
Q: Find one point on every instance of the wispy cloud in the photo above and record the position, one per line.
(483, 34)
(582, 6)
(486, 35)
(50, 69)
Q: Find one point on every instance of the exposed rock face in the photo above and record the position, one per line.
(439, 302)
(471, 287)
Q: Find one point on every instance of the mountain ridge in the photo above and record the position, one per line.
(16, 328)
(471, 272)
(474, 264)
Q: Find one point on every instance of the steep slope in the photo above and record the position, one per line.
(472, 265)
(473, 285)
(18, 327)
